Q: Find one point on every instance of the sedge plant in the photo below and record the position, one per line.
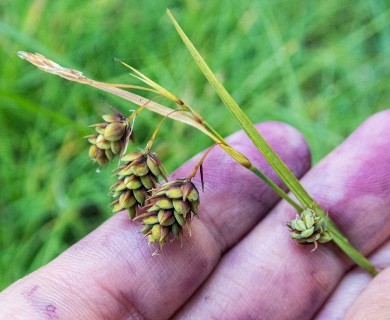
(166, 210)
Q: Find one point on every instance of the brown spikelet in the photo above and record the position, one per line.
(136, 177)
(171, 208)
(111, 138)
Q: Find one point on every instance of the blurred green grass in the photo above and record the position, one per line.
(323, 67)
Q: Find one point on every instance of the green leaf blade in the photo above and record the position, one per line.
(273, 159)
(270, 155)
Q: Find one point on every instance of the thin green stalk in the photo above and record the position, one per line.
(255, 170)
(273, 159)
(343, 243)
(277, 189)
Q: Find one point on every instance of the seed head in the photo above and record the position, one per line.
(111, 138)
(308, 228)
(170, 208)
(139, 174)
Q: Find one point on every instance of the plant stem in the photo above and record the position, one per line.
(277, 189)
(270, 155)
(342, 242)
(254, 169)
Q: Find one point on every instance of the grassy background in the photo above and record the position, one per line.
(321, 66)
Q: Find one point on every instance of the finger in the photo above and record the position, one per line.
(268, 275)
(374, 301)
(112, 274)
(353, 283)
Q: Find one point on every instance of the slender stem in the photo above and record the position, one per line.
(343, 243)
(150, 143)
(200, 162)
(153, 84)
(142, 107)
(277, 189)
(255, 170)
(273, 159)
(353, 253)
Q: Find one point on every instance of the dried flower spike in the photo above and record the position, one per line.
(139, 174)
(111, 138)
(170, 208)
(309, 228)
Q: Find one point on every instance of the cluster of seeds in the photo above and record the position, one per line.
(164, 211)
(169, 209)
(139, 174)
(111, 138)
(309, 228)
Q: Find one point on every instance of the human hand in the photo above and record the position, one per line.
(240, 262)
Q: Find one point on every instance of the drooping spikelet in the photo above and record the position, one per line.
(309, 228)
(170, 208)
(111, 138)
(138, 175)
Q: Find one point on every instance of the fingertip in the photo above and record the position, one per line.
(381, 119)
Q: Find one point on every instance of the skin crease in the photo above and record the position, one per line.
(240, 262)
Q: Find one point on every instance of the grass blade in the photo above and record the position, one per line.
(273, 159)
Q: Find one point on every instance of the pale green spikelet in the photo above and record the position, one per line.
(308, 228)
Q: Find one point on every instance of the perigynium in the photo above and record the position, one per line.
(170, 208)
(139, 174)
(111, 138)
